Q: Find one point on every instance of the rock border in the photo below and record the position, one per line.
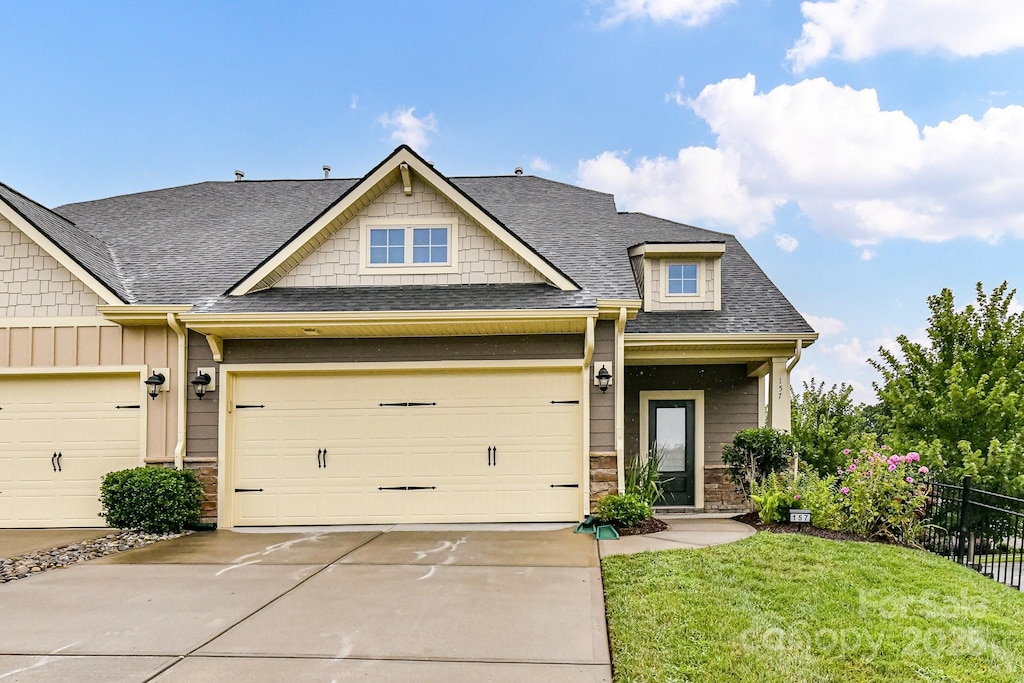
(30, 564)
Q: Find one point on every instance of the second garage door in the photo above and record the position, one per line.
(60, 435)
(467, 446)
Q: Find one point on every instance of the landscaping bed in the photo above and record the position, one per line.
(791, 607)
(651, 525)
(754, 520)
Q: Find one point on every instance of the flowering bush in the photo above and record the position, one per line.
(881, 495)
(878, 494)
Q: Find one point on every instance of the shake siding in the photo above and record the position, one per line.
(730, 401)
(602, 404)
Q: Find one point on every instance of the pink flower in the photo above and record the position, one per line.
(892, 467)
(863, 451)
(796, 497)
(845, 490)
(910, 480)
(884, 447)
(853, 468)
(856, 461)
(913, 457)
(846, 451)
(922, 470)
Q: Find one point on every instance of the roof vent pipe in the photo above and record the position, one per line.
(239, 175)
(519, 170)
(327, 171)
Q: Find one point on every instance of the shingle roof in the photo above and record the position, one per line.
(418, 298)
(86, 250)
(190, 244)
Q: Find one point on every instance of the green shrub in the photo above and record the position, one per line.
(756, 453)
(643, 478)
(150, 499)
(624, 510)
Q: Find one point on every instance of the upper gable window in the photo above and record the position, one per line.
(387, 245)
(682, 278)
(430, 245)
(409, 245)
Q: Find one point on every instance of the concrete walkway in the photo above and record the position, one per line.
(441, 605)
(684, 531)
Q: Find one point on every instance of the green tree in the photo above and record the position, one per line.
(824, 423)
(959, 399)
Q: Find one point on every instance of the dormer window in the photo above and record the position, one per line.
(683, 279)
(408, 245)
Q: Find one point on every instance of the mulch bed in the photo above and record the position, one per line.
(753, 520)
(651, 525)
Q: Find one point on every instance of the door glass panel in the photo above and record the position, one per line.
(670, 424)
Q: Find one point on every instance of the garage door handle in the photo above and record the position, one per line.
(489, 450)
(406, 488)
(565, 486)
(53, 461)
(59, 456)
(495, 456)
(319, 454)
(325, 458)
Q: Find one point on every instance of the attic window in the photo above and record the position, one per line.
(683, 279)
(409, 245)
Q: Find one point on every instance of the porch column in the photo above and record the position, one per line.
(778, 396)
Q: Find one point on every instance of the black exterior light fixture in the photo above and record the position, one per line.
(604, 378)
(199, 384)
(153, 384)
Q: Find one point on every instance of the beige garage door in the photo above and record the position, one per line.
(61, 434)
(472, 446)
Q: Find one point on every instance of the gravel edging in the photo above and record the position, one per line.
(24, 566)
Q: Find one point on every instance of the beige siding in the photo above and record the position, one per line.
(97, 345)
(602, 404)
(481, 258)
(660, 302)
(730, 401)
(33, 284)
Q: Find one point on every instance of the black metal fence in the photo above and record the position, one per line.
(978, 529)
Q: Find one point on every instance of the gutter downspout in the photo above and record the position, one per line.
(796, 356)
(179, 447)
(588, 356)
(620, 398)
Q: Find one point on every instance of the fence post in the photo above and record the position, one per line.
(962, 537)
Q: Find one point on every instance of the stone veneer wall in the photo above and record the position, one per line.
(33, 284)
(604, 476)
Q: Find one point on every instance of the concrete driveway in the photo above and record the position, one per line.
(438, 605)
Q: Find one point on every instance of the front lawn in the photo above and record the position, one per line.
(789, 607)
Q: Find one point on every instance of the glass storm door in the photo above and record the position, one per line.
(671, 432)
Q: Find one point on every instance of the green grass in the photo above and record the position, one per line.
(794, 608)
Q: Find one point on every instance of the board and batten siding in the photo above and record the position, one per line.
(26, 345)
(730, 401)
(602, 404)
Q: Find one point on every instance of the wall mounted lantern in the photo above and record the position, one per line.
(603, 378)
(154, 384)
(201, 383)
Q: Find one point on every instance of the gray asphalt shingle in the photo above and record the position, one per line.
(191, 244)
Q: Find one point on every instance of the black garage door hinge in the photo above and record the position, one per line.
(566, 403)
(249, 406)
(406, 404)
(565, 486)
(128, 407)
(248, 490)
(406, 488)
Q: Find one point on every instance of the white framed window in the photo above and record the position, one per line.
(408, 245)
(682, 278)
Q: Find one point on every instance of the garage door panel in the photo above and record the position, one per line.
(443, 445)
(76, 416)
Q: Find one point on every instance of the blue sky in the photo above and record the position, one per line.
(867, 152)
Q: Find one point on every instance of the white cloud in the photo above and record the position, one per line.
(677, 94)
(686, 12)
(857, 171)
(867, 254)
(824, 325)
(1016, 306)
(407, 128)
(786, 242)
(857, 29)
(699, 185)
(539, 164)
(354, 102)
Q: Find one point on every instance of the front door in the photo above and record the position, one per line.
(671, 432)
